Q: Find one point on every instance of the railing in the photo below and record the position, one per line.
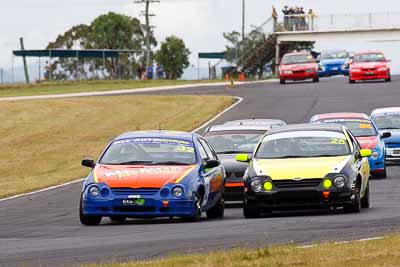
(341, 22)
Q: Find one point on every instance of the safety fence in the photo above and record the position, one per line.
(341, 22)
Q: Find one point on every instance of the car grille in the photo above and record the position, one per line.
(134, 209)
(298, 71)
(392, 145)
(131, 191)
(368, 69)
(300, 183)
(234, 174)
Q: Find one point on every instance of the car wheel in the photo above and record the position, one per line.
(118, 219)
(282, 81)
(365, 199)
(389, 79)
(316, 80)
(382, 175)
(217, 212)
(196, 210)
(86, 219)
(356, 207)
(350, 80)
(249, 211)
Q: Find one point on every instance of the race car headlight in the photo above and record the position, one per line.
(94, 191)
(339, 181)
(321, 67)
(374, 155)
(177, 191)
(256, 185)
(382, 69)
(288, 72)
(327, 184)
(310, 70)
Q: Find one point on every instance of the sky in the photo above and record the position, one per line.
(199, 22)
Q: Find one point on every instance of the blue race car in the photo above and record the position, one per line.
(333, 63)
(388, 120)
(153, 174)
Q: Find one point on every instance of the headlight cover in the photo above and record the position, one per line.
(256, 185)
(94, 191)
(374, 155)
(288, 72)
(339, 181)
(382, 69)
(177, 191)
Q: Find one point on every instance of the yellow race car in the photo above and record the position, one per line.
(306, 166)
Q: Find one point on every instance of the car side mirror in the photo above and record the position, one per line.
(386, 135)
(88, 163)
(365, 153)
(211, 163)
(243, 158)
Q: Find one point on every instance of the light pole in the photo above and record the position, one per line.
(243, 18)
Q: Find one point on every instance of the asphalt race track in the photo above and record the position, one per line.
(44, 229)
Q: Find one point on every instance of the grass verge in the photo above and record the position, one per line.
(86, 86)
(377, 253)
(43, 141)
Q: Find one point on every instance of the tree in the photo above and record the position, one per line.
(109, 31)
(173, 56)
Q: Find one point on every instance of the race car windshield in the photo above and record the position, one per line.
(297, 59)
(373, 57)
(334, 55)
(304, 145)
(357, 127)
(387, 121)
(150, 151)
(233, 143)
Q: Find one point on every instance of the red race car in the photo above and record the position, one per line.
(298, 66)
(369, 66)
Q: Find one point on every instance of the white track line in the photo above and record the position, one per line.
(238, 101)
(345, 242)
(124, 91)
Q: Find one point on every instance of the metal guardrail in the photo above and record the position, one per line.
(341, 22)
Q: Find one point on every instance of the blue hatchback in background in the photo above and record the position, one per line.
(388, 120)
(333, 63)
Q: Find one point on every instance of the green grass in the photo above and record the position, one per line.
(43, 141)
(377, 253)
(86, 86)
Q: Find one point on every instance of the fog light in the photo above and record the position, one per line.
(327, 184)
(268, 186)
(94, 191)
(104, 192)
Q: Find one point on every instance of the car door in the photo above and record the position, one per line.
(213, 177)
(361, 164)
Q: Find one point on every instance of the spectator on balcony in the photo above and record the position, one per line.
(312, 16)
(286, 12)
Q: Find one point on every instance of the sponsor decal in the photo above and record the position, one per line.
(141, 171)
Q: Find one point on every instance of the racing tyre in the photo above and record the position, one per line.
(388, 80)
(365, 199)
(217, 212)
(356, 207)
(250, 212)
(196, 212)
(351, 81)
(88, 220)
(282, 81)
(382, 175)
(316, 80)
(117, 219)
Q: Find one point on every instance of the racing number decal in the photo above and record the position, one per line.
(338, 141)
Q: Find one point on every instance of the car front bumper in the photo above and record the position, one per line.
(299, 198)
(299, 76)
(393, 154)
(152, 208)
(234, 191)
(377, 75)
